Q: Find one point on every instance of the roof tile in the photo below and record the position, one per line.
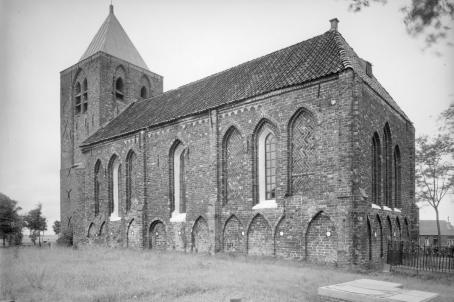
(112, 39)
(317, 57)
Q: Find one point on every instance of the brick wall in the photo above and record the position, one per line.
(321, 240)
(260, 237)
(233, 236)
(372, 114)
(157, 236)
(328, 191)
(99, 71)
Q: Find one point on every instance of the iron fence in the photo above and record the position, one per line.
(423, 258)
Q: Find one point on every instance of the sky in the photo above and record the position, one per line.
(185, 41)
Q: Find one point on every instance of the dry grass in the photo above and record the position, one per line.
(98, 274)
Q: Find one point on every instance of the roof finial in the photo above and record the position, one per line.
(111, 8)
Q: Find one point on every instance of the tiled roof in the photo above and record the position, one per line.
(112, 39)
(429, 227)
(315, 58)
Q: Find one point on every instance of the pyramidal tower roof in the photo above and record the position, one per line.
(112, 39)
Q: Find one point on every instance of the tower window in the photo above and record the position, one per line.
(81, 97)
(143, 92)
(145, 87)
(84, 96)
(119, 93)
(78, 97)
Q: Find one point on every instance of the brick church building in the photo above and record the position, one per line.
(300, 153)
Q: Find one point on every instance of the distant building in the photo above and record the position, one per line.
(428, 234)
(299, 153)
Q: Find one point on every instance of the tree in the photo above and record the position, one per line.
(10, 221)
(56, 227)
(35, 222)
(447, 117)
(434, 171)
(431, 18)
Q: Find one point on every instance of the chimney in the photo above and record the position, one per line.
(334, 23)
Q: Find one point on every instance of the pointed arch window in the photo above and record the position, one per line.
(130, 179)
(233, 165)
(114, 183)
(97, 183)
(143, 92)
(84, 96)
(119, 89)
(301, 151)
(266, 168)
(81, 96)
(177, 175)
(376, 168)
(78, 98)
(270, 167)
(387, 151)
(144, 87)
(397, 178)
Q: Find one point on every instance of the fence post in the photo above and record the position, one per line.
(417, 262)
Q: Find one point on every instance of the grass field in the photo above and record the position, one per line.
(64, 274)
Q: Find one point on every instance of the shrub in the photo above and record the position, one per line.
(66, 238)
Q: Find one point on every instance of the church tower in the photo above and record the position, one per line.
(109, 76)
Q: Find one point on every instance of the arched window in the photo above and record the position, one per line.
(119, 93)
(78, 98)
(84, 96)
(97, 185)
(376, 168)
(266, 167)
(301, 151)
(143, 92)
(270, 167)
(178, 181)
(387, 151)
(130, 179)
(233, 166)
(397, 178)
(144, 87)
(114, 179)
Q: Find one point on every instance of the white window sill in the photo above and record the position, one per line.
(265, 204)
(387, 208)
(376, 206)
(114, 218)
(178, 217)
(397, 210)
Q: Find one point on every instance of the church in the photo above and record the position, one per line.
(300, 153)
